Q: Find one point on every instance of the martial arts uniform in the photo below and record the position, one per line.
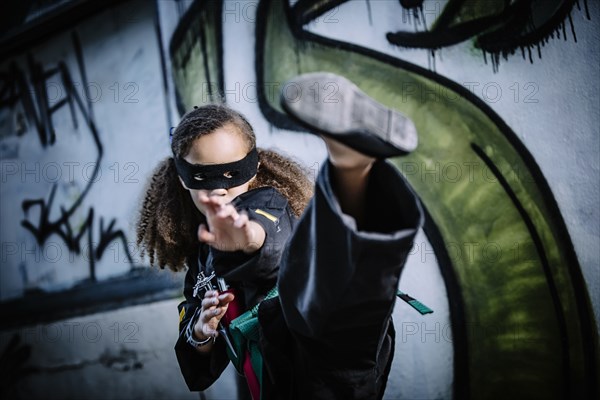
(329, 334)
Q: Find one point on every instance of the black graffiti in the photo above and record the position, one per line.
(499, 32)
(14, 89)
(520, 25)
(62, 227)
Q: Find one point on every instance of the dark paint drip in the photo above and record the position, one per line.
(560, 28)
(415, 20)
(555, 33)
(415, 13)
(496, 62)
(431, 60)
(587, 9)
(572, 28)
(517, 30)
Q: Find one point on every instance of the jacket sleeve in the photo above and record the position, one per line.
(255, 274)
(199, 370)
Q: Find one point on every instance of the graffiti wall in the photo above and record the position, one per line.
(83, 120)
(504, 96)
(75, 139)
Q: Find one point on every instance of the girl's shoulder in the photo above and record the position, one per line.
(262, 197)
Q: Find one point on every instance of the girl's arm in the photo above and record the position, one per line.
(199, 370)
(255, 272)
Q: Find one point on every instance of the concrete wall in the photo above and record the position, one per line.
(125, 350)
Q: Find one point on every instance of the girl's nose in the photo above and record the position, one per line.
(218, 192)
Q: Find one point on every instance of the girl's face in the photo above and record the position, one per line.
(224, 145)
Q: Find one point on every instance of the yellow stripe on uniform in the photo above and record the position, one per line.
(182, 314)
(266, 214)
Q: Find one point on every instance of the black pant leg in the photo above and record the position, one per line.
(337, 285)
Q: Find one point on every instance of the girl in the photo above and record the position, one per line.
(328, 334)
(173, 218)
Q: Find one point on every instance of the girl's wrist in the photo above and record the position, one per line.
(195, 337)
(199, 335)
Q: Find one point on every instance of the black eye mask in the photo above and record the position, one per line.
(218, 176)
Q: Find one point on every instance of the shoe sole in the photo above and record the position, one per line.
(334, 105)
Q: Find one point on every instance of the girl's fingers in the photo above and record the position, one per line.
(211, 204)
(228, 211)
(241, 221)
(204, 235)
(207, 201)
(219, 312)
(212, 315)
(207, 314)
(208, 302)
(212, 209)
(225, 298)
(212, 311)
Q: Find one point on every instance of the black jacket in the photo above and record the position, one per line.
(251, 275)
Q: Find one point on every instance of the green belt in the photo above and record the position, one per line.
(414, 303)
(244, 335)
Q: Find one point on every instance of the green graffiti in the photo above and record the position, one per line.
(525, 328)
(196, 56)
(506, 245)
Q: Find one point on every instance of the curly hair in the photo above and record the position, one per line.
(168, 219)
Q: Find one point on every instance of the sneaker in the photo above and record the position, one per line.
(335, 107)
